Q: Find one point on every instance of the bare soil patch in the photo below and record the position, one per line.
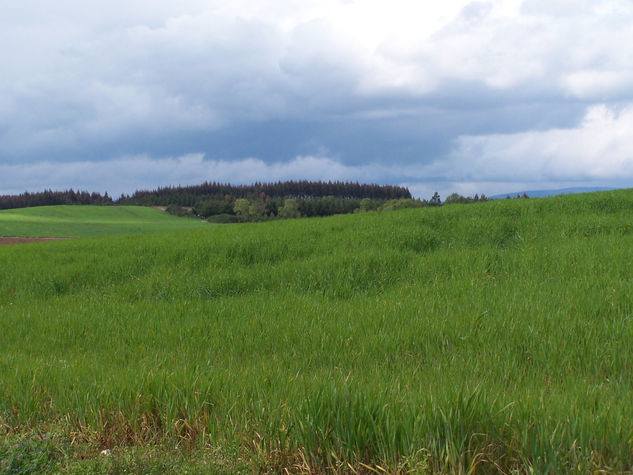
(23, 240)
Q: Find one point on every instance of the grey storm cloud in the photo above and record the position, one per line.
(454, 96)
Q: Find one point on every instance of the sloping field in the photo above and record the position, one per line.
(485, 337)
(82, 221)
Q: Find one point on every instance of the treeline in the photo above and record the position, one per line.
(224, 203)
(220, 202)
(264, 208)
(456, 198)
(192, 195)
(50, 197)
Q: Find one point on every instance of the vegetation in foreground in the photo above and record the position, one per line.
(490, 337)
(83, 221)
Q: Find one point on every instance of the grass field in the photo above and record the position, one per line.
(468, 338)
(82, 221)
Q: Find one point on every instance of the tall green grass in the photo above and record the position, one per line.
(486, 337)
(83, 221)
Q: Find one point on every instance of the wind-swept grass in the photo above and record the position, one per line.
(82, 221)
(487, 337)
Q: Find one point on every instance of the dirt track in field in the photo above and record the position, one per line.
(4, 241)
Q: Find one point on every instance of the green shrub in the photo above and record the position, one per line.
(223, 218)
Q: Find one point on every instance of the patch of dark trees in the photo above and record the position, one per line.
(519, 196)
(50, 197)
(456, 198)
(191, 195)
(225, 203)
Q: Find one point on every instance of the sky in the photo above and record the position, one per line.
(451, 96)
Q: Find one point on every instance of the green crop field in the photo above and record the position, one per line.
(467, 338)
(82, 221)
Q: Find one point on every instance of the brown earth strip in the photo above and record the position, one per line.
(23, 240)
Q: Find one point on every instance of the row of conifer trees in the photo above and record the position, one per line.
(50, 197)
(190, 195)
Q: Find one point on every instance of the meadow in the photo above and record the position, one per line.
(489, 337)
(84, 221)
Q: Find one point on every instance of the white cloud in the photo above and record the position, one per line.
(241, 59)
(599, 149)
(593, 83)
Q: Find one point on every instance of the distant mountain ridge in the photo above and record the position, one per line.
(544, 193)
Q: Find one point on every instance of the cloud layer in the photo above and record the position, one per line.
(600, 148)
(143, 172)
(460, 93)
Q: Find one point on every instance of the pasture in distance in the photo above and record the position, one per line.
(484, 337)
(84, 221)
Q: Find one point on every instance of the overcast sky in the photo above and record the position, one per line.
(449, 96)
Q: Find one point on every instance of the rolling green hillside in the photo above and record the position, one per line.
(493, 336)
(82, 221)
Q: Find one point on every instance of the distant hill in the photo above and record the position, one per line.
(544, 193)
